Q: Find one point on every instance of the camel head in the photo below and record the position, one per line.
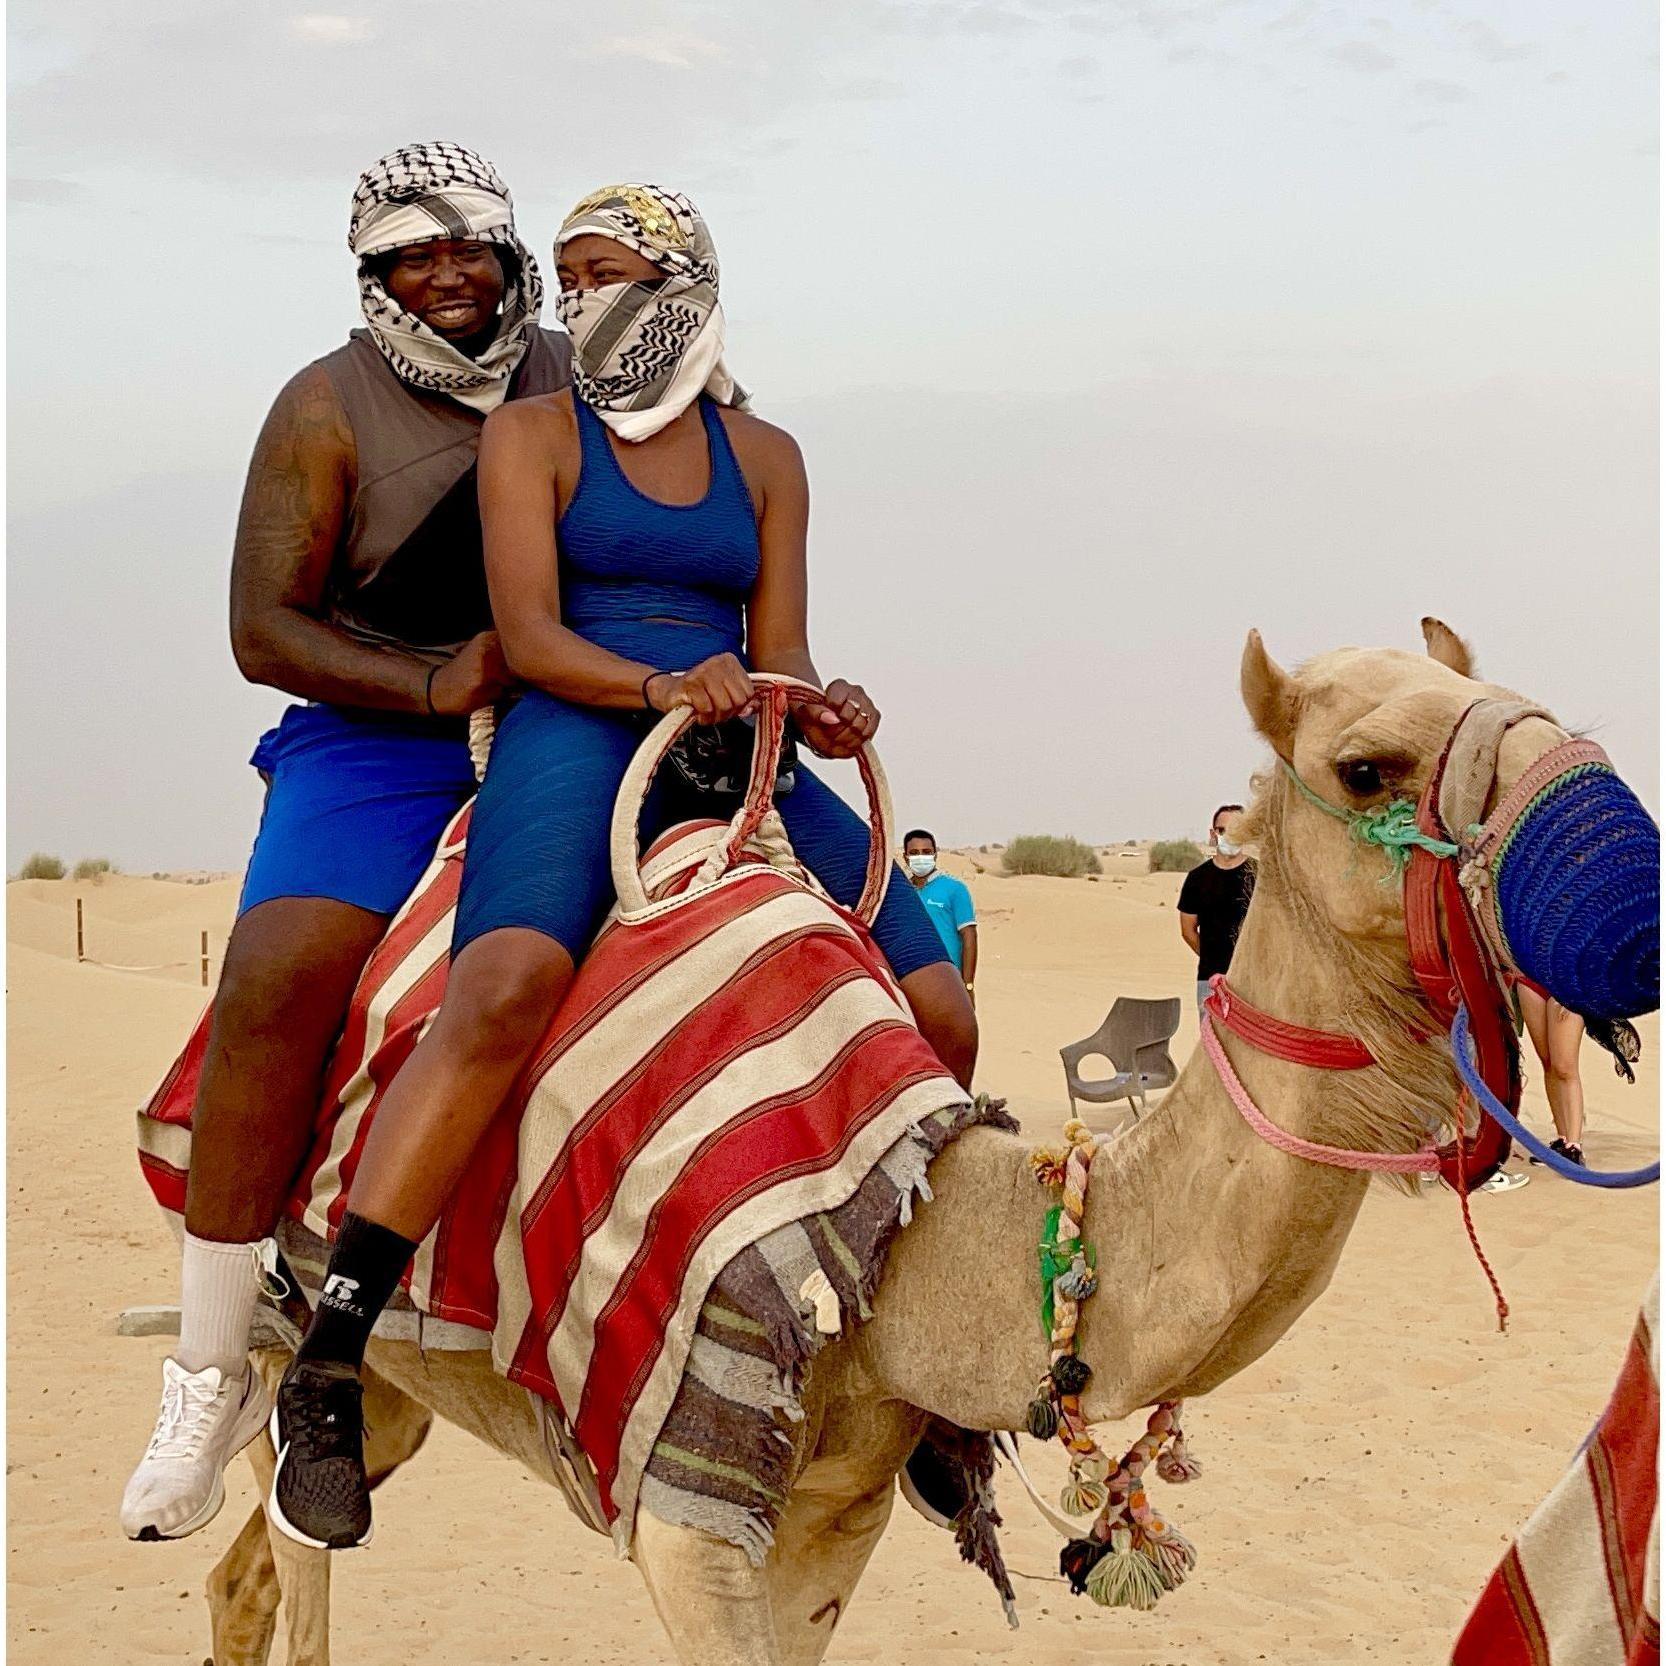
(1364, 727)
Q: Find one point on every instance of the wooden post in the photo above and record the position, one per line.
(205, 959)
(80, 939)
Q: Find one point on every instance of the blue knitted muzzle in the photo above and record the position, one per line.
(1577, 883)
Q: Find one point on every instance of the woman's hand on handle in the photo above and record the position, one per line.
(842, 727)
(717, 688)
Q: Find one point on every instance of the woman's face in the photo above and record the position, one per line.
(591, 262)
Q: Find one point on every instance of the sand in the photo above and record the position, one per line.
(1361, 1481)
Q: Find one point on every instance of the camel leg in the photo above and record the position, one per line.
(395, 1426)
(303, 1576)
(713, 1603)
(835, 1515)
(243, 1597)
(814, 1570)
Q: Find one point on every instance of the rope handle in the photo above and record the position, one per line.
(775, 697)
(482, 732)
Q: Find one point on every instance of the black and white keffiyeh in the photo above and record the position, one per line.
(414, 195)
(643, 352)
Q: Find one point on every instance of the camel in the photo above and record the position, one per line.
(1211, 1243)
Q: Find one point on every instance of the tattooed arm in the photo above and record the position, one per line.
(294, 508)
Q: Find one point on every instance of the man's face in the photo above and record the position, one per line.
(1219, 830)
(455, 288)
(921, 855)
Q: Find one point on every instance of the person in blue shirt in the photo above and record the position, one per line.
(947, 901)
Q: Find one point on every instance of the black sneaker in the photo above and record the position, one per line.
(1559, 1148)
(1575, 1154)
(320, 1496)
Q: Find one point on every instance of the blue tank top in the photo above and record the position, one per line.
(658, 582)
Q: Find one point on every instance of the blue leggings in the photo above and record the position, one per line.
(538, 839)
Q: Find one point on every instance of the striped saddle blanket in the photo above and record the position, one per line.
(1581, 1584)
(696, 1180)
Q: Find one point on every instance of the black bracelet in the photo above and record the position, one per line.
(428, 691)
(645, 681)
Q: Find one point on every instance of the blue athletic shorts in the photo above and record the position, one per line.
(538, 838)
(356, 802)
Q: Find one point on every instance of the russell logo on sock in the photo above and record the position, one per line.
(339, 1292)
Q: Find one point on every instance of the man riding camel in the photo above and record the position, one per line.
(358, 586)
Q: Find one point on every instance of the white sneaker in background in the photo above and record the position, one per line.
(1505, 1182)
(206, 1419)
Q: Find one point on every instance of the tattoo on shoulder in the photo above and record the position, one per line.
(299, 477)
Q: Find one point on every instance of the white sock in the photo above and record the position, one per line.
(218, 1291)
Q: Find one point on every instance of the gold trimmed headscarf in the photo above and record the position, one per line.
(644, 352)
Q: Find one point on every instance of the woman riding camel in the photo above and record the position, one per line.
(645, 549)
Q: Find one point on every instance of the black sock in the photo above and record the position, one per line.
(364, 1273)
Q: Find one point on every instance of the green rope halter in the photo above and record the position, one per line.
(1393, 829)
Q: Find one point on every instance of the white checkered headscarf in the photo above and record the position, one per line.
(418, 194)
(644, 352)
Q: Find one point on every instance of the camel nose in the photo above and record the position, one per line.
(1578, 890)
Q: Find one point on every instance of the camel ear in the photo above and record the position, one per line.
(1448, 648)
(1269, 696)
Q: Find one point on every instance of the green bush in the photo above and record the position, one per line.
(1064, 858)
(41, 866)
(94, 867)
(1174, 856)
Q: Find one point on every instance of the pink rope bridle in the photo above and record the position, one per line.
(1425, 1161)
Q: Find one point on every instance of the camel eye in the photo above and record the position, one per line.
(1360, 776)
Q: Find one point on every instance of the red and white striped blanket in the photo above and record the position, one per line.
(733, 1058)
(1581, 1584)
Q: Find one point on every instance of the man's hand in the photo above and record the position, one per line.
(476, 675)
(716, 688)
(844, 725)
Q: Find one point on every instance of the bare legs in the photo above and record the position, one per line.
(943, 1010)
(289, 974)
(502, 992)
(1556, 1034)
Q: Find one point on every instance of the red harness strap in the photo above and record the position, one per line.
(1323, 1049)
(1453, 965)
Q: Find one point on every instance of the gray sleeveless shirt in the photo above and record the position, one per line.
(409, 572)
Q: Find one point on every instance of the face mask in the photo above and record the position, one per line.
(1226, 847)
(921, 865)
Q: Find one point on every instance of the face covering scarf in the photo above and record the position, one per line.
(644, 352)
(416, 195)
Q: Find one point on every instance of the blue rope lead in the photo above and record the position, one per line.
(1462, 1056)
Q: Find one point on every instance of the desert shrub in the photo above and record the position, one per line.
(1065, 858)
(94, 867)
(41, 866)
(1174, 856)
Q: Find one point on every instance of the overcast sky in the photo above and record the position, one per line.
(1110, 329)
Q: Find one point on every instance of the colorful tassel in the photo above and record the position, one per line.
(1125, 1577)
(1077, 1559)
(1173, 1557)
(1042, 1417)
(1083, 1497)
(1070, 1374)
(1176, 1464)
(1080, 1282)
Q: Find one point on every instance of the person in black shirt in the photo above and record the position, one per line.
(1214, 899)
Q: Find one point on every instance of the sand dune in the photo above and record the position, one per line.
(1360, 1481)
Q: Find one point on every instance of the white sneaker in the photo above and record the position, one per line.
(205, 1421)
(1504, 1182)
